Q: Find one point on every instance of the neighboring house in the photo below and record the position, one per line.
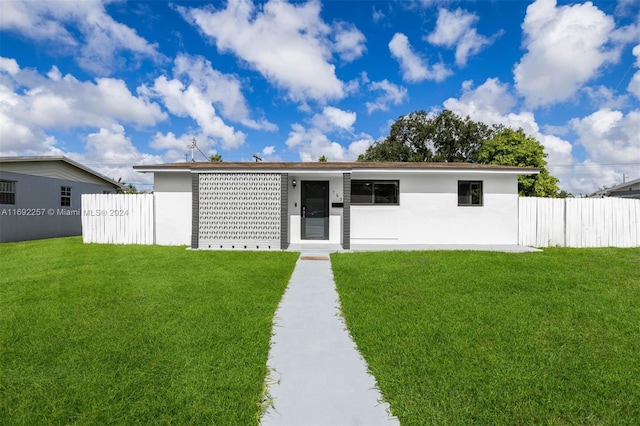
(626, 190)
(275, 205)
(40, 196)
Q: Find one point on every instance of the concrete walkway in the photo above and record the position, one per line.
(317, 375)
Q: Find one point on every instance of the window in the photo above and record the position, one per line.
(65, 196)
(7, 192)
(374, 191)
(469, 192)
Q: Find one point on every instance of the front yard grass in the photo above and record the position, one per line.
(103, 334)
(497, 338)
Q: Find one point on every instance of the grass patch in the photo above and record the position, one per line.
(498, 338)
(103, 334)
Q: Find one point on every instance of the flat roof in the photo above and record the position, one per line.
(330, 166)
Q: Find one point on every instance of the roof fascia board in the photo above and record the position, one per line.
(290, 171)
(449, 171)
(336, 170)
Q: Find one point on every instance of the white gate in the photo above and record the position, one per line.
(118, 218)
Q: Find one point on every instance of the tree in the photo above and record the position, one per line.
(323, 159)
(128, 188)
(510, 147)
(215, 158)
(445, 137)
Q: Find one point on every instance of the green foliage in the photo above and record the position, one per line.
(215, 158)
(129, 188)
(323, 159)
(100, 334)
(479, 338)
(445, 137)
(510, 147)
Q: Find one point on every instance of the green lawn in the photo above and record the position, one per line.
(496, 338)
(103, 334)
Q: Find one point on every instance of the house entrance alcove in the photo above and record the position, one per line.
(315, 210)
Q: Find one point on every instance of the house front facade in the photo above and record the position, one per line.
(40, 196)
(272, 206)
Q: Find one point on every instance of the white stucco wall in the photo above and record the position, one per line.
(173, 208)
(428, 213)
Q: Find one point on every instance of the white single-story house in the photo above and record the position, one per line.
(40, 196)
(273, 205)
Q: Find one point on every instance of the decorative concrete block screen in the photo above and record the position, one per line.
(239, 210)
(579, 222)
(118, 218)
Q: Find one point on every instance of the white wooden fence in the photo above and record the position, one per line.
(579, 222)
(542, 222)
(118, 218)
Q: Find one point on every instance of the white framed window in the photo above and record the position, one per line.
(65, 196)
(470, 193)
(375, 192)
(7, 192)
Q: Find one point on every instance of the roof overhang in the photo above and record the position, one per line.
(333, 167)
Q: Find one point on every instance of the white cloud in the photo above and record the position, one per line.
(9, 65)
(627, 7)
(610, 136)
(31, 103)
(110, 152)
(377, 15)
(190, 101)
(634, 84)
(288, 44)
(220, 89)
(391, 94)
(349, 42)
(81, 28)
(202, 93)
(451, 26)
(335, 118)
(312, 143)
(456, 29)
(566, 46)
(175, 147)
(611, 140)
(602, 96)
(268, 150)
(414, 69)
(491, 97)
(35, 20)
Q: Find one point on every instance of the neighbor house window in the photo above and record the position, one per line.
(65, 196)
(374, 191)
(469, 192)
(7, 192)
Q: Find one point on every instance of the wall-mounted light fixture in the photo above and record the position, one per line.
(294, 183)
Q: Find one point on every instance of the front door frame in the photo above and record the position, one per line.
(303, 235)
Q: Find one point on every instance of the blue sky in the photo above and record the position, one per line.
(117, 83)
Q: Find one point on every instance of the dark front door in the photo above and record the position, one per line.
(315, 210)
